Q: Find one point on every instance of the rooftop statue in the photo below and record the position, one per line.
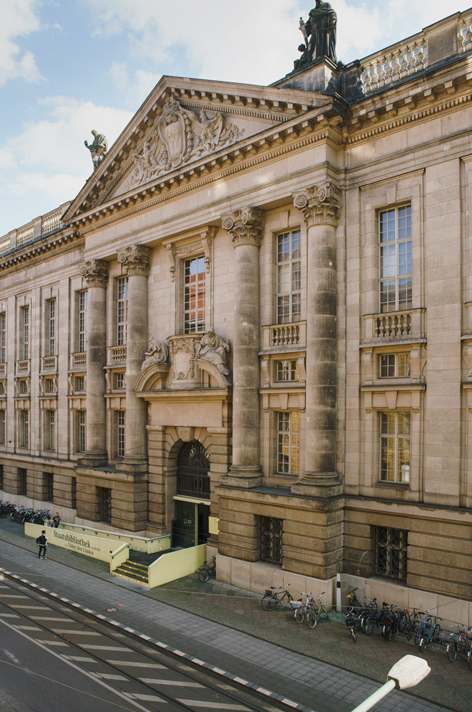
(319, 33)
(98, 148)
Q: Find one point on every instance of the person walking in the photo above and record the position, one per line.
(56, 520)
(42, 540)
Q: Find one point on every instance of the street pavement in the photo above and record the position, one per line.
(224, 626)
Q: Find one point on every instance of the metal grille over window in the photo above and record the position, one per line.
(391, 553)
(395, 447)
(194, 295)
(122, 311)
(271, 540)
(192, 473)
(49, 487)
(22, 481)
(104, 499)
(395, 259)
(288, 277)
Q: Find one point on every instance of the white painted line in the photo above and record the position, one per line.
(56, 643)
(149, 698)
(290, 703)
(263, 691)
(12, 595)
(76, 632)
(30, 608)
(214, 705)
(240, 681)
(109, 647)
(79, 659)
(151, 666)
(9, 615)
(29, 627)
(106, 676)
(47, 618)
(171, 683)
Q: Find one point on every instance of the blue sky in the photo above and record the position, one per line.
(70, 66)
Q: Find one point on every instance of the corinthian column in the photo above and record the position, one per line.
(320, 207)
(136, 262)
(245, 226)
(95, 273)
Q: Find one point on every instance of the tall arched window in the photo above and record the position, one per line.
(193, 466)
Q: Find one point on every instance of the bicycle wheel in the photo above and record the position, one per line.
(451, 651)
(369, 626)
(422, 645)
(299, 614)
(203, 576)
(268, 602)
(353, 634)
(312, 619)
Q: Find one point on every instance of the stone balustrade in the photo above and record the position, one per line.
(414, 54)
(49, 364)
(116, 356)
(281, 336)
(78, 361)
(3, 369)
(394, 326)
(42, 226)
(22, 368)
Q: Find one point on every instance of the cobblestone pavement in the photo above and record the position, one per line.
(226, 626)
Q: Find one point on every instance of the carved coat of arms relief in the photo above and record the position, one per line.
(180, 135)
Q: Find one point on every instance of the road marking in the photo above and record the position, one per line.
(12, 595)
(149, 698)
(76, 632)
(57, 643)
(109, 647)
(30, 608)
(48, 618)
(29, 627)
(106, 676)
(214, 705)
(79, 659)
(9, 615)
(172, 683)
(45, 646)
(154, 666)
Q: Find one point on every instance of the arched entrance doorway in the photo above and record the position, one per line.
(192, 501)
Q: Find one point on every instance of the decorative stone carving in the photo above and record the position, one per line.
(214, 349)
(98, 148)
(136, 260)
(186, 434)
(180, 136)
(183, 354)
(245, 226)
(158, 353)
(319, 204)
(95, 273)
(203, 245)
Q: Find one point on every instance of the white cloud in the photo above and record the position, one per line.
(19, 18)
(133, 86)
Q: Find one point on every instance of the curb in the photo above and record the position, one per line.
(163, 646)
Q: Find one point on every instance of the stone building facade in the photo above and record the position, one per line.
(253, 327)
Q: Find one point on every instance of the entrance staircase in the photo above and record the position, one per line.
(137, 566)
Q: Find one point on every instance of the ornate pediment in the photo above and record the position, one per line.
(179, 136)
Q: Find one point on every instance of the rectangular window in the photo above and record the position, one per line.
(50, 385)
(288, 277)
(120, 433)
(80, 384)
(23, 387)
(194, 295)
(50, 430)
(73, 492)
(271, 540)
(3, 337)
(3, 388)
(22, 481)
(1, 477)
(81, 424)
(122, 311)
(104, 500)
(51, 327)
(394, 365)
(287, 371)
(288, 443)
(23, 418)
(2, 428)
(49, 486)
(82, 321)
(396, 287)
(25, 334)
(119, 381)
(395, 447)
(391, 553)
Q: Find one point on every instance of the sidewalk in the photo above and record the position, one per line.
(226, 627)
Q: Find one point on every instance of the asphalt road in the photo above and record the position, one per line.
(54, 658)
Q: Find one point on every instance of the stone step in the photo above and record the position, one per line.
(137, 573)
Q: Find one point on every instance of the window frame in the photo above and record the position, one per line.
(400, 477)
(23, 429)
(82, 324)
(288, 438)
(396, 365)
(3, 337)
(393, 569)
(120, 433)
(25, 324)
(122, 292)
(51, 327)
(81, 431)
(397, 243)
(194, 318)
(287, 367)
(288, 301)
(50, 423)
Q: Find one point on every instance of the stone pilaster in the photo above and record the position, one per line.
(245, 226)
(136, 262)
(95, 273)
(320, 207)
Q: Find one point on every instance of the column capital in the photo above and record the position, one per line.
(245, 226)
(320, 204)
(95, 273)
(136, 260)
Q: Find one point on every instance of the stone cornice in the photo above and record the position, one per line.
(245, 226)
(136, 260)
(36, 250)
(319, 204)
(95, 273)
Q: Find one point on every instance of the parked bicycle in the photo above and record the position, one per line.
(460, 646)
(301, 612)
(274, 597)
(207, 571)
(428, 631)
(316, 611)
